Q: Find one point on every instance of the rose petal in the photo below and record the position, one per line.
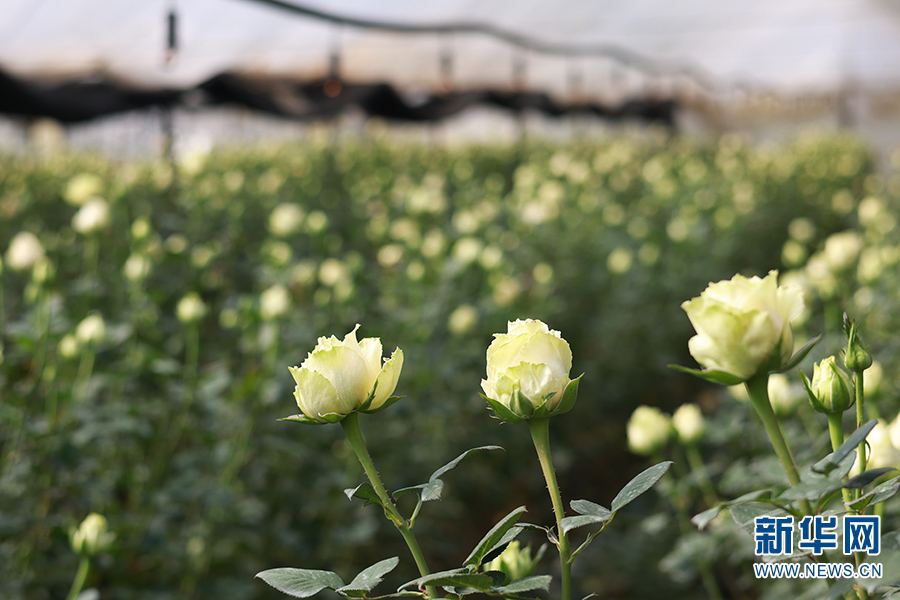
(387, 379)
(345, 369)
(315, 395)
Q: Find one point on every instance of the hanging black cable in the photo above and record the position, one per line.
(516, 39)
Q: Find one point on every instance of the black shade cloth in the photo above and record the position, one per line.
(77, 101)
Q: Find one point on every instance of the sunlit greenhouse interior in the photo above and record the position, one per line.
(449, 299)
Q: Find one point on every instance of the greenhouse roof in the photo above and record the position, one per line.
(574, 51)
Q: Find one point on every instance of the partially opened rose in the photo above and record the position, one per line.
(341, 377)
(744, 328)
(528, 372)
(92, 536)
(831, 389)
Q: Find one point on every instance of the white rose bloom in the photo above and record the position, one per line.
(528, 372)
(894, 432)
(689, 423)
(648, 430)
(191, 308)
(91, 217)
(285, 219)
(91, 330)
(137, 267)
(462, 319)
(68, 346)
(92, 536)
(743, 326)
(274, 302)
(882, 452)
(82, 188)
(872, 379)
(784, 396)
(24, 251)
(842, 249)
(341, 377)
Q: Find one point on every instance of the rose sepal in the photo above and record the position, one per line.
(809, 393)
(799, 355)
(368, 401)
(710, 375)
(384, 405)
(333, 417)
(501, 412)
(522, 405)
(301, 418)
(542, 412)
(568, 398)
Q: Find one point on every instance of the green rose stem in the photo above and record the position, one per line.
(191, 370)
(350, 423)
(860, 417)
(836, 430)
(80, 577)
(695, 461)
(758, 389)
(83, 378)
(42, 326)
(176, 426)
(540, 434)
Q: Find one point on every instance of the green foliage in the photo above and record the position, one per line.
(170, 428)
(590, 513)
(303, 583)
(637, 486)
(435, 485)
(496, 539)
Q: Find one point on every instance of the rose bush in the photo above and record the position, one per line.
(743, 327)
(528, 372)
(341, 377)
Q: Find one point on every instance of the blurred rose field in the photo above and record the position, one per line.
(149, 314)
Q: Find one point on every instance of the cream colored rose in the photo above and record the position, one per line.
(81, 188)
(274, 302)
(91, 217)
(648, 430)
(784, 395)
(743, 326)
(831, 389)
(91, 330)
(894, 432)
(92, 536)
(882, 451)
(689, 423)
(341, 377)
(24, 251)
(137, 267)
(528, 372)
(515, 562)
(191, 308)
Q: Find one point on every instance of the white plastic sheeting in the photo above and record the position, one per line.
(791, 47)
